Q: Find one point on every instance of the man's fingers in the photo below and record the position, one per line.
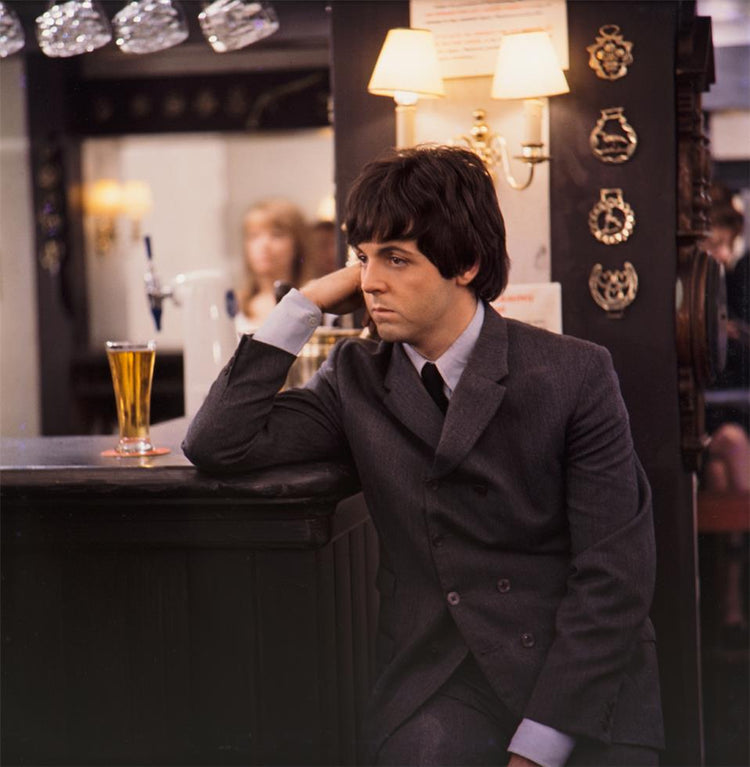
(338, 292)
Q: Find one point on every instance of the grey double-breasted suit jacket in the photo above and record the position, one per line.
(517, 527)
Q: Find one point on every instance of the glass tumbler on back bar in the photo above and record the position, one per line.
(132, 368)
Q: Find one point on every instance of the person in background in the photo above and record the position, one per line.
(275, 248)
(727, 246)
(517, 554)
(727, 463)
(322, 251)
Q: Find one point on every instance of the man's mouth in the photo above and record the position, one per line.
(380, 311)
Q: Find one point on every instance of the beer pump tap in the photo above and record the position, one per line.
(206, 304)
(154, 291)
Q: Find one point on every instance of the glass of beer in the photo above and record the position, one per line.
(132, 368)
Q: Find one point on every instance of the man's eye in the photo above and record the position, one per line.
(396, 261)
(362, 258)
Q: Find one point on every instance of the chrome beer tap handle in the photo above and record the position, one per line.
(154, 291)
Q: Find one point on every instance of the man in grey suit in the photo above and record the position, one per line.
(514, 519)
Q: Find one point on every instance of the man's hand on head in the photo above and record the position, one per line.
(338, 292)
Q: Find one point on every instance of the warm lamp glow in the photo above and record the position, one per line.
(106, 199)
(103, 198)
(136, 203)
(326, 210)
(527, 67)
(136, 199)
(407, 64)
(407, 69)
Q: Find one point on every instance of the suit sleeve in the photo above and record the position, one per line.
(246, 424)
(611, 578)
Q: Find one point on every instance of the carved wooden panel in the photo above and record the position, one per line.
(700, 317)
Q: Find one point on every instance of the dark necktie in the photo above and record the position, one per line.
(433, 382)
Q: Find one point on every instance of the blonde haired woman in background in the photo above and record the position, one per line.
(275, 247)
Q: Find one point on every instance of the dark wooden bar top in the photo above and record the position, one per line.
(289, 506)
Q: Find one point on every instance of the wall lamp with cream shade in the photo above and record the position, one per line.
(527, 68)
(407, 69)
(106, 199)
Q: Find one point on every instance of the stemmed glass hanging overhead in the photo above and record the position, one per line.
(71, 28)
(12, 37)
(229, 25)
(147, 26)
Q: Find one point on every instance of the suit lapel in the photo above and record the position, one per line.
(478, 395)
(409, 401)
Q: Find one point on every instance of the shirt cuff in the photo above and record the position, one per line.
(291, 324)
(542, 744)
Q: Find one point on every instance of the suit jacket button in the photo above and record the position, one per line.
(453, 598)
(480, 489)
(437, 540)
(527, 639)
(503, 585)
(609, 711)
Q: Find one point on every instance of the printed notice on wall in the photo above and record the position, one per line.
(536, 303)
(467, 32)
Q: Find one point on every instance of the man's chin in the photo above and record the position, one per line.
(387, 332)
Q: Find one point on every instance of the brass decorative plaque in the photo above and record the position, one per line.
(613, 289)
(611, 55)
(611, 220)
(613, 139)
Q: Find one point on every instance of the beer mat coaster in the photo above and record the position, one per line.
(115, 454)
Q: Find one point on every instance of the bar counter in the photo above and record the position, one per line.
(154, 615)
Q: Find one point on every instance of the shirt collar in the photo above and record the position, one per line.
(453, 360)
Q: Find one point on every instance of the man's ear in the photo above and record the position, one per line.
(466, 277)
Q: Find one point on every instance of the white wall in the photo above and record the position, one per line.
(202, 184)
(730, 134)
(19, 375)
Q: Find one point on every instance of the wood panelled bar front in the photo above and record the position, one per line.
(154, 615)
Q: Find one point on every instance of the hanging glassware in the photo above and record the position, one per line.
(71, 28)
(12, 37)
(229, 25)
(147, 26)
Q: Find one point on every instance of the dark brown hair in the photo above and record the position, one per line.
(289, 218)
(443, 198)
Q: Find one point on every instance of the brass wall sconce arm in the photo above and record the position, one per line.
(493, 149)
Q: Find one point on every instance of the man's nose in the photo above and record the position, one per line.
(372, 281)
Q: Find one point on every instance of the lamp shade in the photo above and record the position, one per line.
(103, 198)
(527, 67)
(136, 199)
(407, 63)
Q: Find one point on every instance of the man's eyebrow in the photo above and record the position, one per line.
(388, 247)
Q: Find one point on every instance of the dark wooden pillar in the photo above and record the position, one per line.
(60, 268)
(643, 339)
(365, 124)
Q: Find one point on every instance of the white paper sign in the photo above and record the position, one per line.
(467, 32)
(536, 303)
